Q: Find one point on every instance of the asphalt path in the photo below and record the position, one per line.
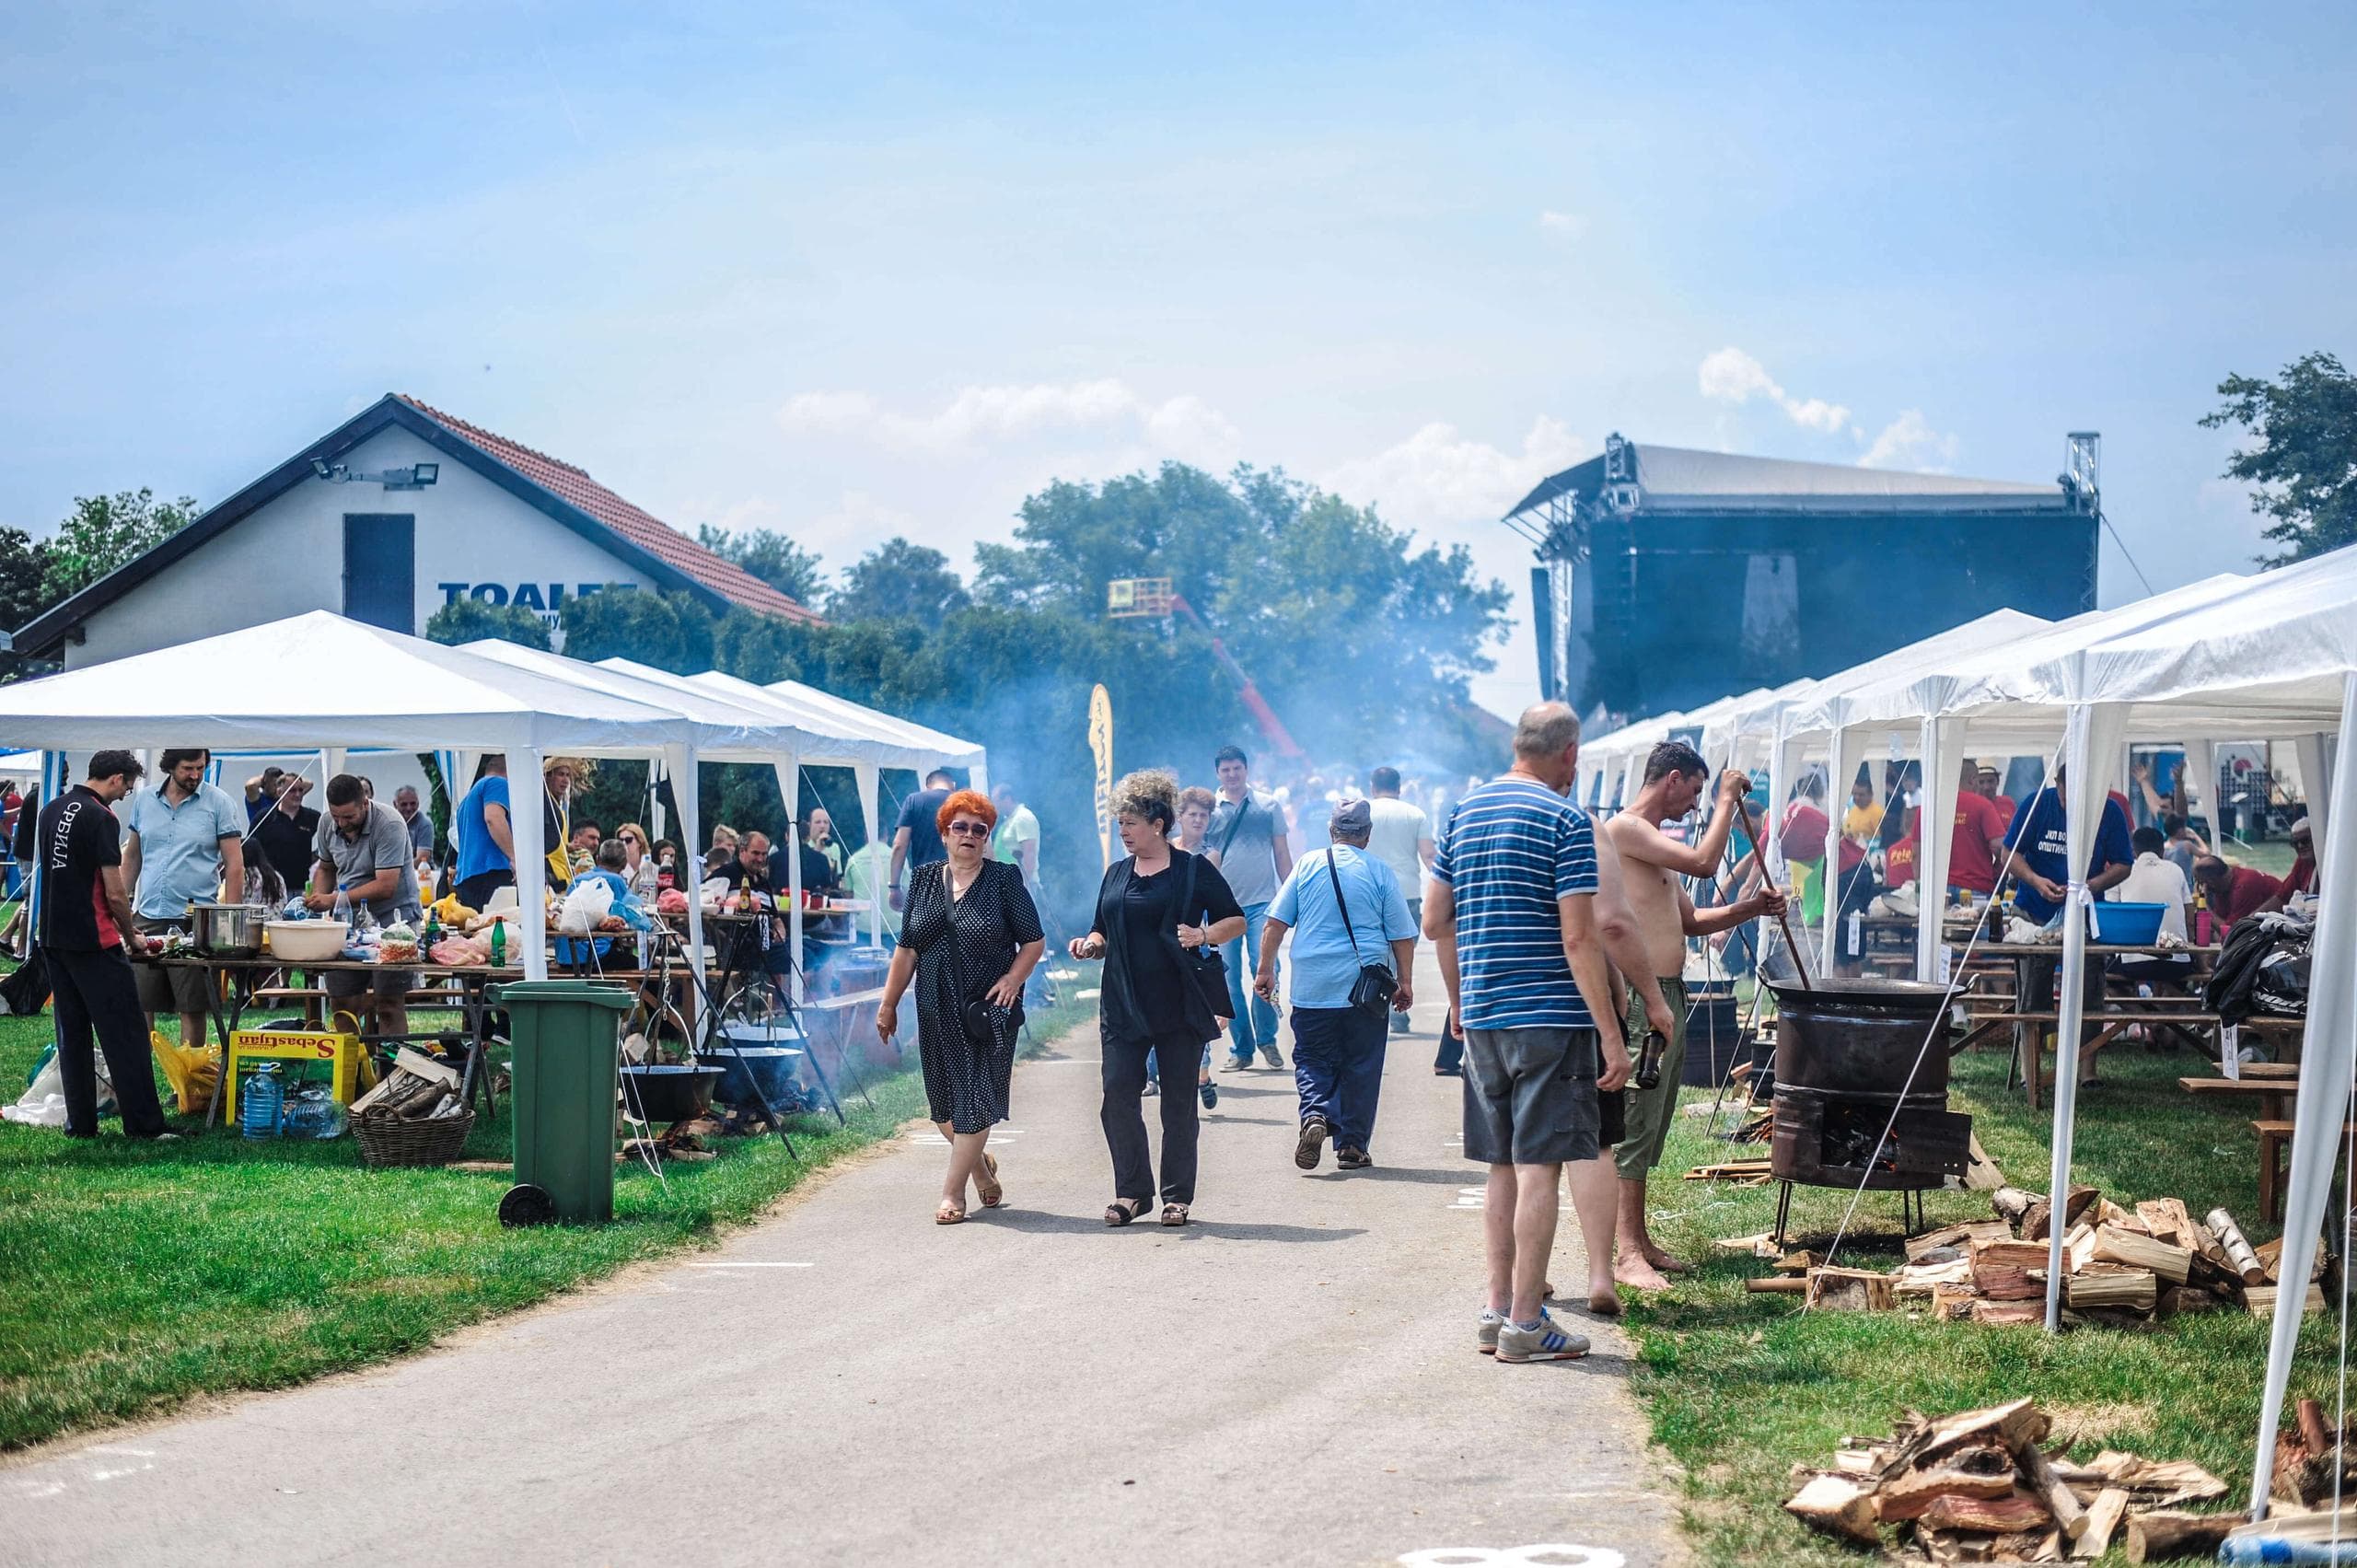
(1291, 1379)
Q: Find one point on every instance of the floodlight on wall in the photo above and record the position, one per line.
(332, 472)
(417, 476)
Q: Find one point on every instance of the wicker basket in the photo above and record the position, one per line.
(389, 1141)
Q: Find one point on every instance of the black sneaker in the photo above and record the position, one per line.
(1270, 1057)
(1306, 1153)
(1210, 1091)
(1352, 1159)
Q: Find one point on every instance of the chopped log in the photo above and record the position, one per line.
(2036, 1222)
(2108, 1213)
(2079, 1247)
(2159, 1537)
(1909, 1495)
(2001, 1270)
(1851, 1290)
(2027, 1546)
(2260, 1300)
(2012, 1202)
(2312, 1428)
(2114, 1245)
(2187, 1298)
(2017, 1510)
(2113, 1284)
(1960, 1236)
(1838, 1505)
(2008, 1313)
(2091, 1537)
(1777, 1285)
(2167, 1220)
(2006, 1426)
(2155, 1484)
(1796, 1262)
(1856, 1461)
(2240, 1257)
(2038, 1471)
(1953, 1304)
(1918, 1280)
(1755, 1245)
(2271, 1256)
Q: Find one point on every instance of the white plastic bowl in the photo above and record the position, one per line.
(305, 941)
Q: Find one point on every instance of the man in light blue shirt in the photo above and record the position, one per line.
(1344, 909)
(183, 840)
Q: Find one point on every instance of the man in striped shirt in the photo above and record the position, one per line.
(1511, 910)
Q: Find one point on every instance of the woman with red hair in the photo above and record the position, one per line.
(968, 940)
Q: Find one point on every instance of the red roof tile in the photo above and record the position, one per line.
(650, 533)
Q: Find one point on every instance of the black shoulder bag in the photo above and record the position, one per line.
(1371, 993)
(1204, 967)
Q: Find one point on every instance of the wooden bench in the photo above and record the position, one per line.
(2274, 1094)
(312, 999)
(2273, 1136)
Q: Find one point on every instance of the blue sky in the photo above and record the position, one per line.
(854, 270)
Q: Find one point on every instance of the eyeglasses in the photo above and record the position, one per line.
(969, 830)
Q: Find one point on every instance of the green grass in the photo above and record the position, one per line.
(140, 1275)
(1740, 1387)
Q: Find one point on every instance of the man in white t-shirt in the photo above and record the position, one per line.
(1402, 839)
(2155, 880)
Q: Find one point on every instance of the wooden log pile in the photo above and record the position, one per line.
(2127, 1269)
(1979, 1487)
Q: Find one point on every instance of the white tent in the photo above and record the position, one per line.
(320, 681)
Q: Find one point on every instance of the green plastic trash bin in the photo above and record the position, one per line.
(565, 1033)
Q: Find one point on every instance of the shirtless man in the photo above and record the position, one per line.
(1652, 863)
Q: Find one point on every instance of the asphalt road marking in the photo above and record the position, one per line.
(1553, 1555)
(751, 1263)
(1470, 1197)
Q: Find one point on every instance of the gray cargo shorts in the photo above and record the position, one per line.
(1530, 1096)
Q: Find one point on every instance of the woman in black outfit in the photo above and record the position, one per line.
(1150, 1000)
(969, 941)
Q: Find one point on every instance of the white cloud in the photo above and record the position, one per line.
(1566, 224)
(1731, 376)
(1910, 442)
(1438, 477)
(1184, 426)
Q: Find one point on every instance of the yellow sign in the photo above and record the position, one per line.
(1100, 745)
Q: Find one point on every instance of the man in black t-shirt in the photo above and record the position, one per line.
(916, 838)
(286, 832)
(84, 913)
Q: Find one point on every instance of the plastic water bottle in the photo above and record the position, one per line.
(261, 1102)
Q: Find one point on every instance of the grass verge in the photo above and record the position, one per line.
(143, 1274)
(1740, 1387)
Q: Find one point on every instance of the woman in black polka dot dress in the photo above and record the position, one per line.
(970, 934)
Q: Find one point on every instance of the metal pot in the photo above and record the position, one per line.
(227, 931)
(1861, 1037)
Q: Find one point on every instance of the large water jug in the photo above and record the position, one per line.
(261, 1102)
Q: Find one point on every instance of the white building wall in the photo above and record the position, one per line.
(287, 557)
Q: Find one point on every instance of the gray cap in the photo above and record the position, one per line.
(1351, 817)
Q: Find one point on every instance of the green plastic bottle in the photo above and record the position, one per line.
(498, 943)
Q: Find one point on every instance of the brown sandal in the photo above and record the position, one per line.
(1121, 1211)
(1174, 1214)
(950, 1212)
(986, 1182)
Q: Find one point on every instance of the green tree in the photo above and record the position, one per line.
(22, 596)
(103, 532)
(896, 581)
(2305, 459)
(668, 630)
(471, 619)
(770, 556)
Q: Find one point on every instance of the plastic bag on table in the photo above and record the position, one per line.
(590, 901)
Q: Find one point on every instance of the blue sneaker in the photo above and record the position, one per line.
(1210, 1091)
(1541, 1342)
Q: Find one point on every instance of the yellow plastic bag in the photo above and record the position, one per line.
(193, 1073)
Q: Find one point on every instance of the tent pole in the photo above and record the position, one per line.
(1931, 847)
(2324, 1076)
(789, 779)
(682, 763)
(2316, 788)
(524, 823)
(865, 773)
(1839, 765)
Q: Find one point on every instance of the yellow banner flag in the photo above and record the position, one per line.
(1100, 745)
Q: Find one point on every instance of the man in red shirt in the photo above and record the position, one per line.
(2302, 877)
(1991, 788)
(1898, 863)
(2234, 892)
(1977, 847)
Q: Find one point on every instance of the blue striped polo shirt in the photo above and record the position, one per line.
(1515, 847)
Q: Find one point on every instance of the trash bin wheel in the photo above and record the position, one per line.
(527, 1205)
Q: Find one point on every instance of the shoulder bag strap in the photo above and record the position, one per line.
(1235, 825)
(1344, 905)
(1187, 889)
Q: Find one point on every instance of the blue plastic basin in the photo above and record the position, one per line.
(2128, 926)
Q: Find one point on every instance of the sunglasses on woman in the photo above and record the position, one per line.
(969, 830)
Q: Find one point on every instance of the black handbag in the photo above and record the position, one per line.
(1371, 993)
(1204, 967)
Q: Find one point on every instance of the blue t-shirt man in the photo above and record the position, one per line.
(477, 852)
(2039, 832)
(1514, 848)
(180, 848)
(1325, 962)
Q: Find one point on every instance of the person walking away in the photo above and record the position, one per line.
(969, 938)
(1344, 911)
(1248, 845)
(1402, 838)
(183, 843)
(85, 910)
(363, 858)
(486, 836)
(1151, 1001)
(1511, 910)
(916, 840)
(1653, 864)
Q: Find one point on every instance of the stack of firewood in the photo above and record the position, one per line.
(2121, 1269)
(1978, 1488)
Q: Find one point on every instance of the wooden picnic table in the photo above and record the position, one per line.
(2031, 1015)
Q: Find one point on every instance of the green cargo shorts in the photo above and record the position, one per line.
(1650, 1110)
